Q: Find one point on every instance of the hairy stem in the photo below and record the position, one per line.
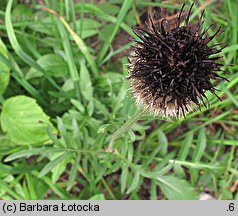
(125, 127)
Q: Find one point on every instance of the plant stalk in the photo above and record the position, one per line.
(125, 127)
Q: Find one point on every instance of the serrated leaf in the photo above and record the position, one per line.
(175, 188)
(24, 120)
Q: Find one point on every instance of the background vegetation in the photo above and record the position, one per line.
(63, 95)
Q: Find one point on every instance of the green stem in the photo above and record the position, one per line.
(108, 189)
(125, 127)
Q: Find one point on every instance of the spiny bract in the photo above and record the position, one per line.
(170, 69)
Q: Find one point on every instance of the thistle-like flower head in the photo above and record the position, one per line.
(171, 69)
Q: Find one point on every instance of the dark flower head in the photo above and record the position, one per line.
(171, 69)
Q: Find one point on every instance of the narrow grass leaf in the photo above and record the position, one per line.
(201, 145)
(80, 43)
(19, 51)
(198, 153)
(70, 58)
(54, 187)
(5, 187)
(100, 14)
(124, 9)
(31, 187)
(18, 76)
(230, 95)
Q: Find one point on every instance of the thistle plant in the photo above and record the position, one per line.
(171, 68)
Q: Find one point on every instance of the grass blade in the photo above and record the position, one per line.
(70, 58)
(80, 43)
(19, 51)
(125, 7)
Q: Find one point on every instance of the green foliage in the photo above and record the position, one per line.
(53, 65)
(4, 70)
(69, 126)
(23, 121)
(177, 189)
